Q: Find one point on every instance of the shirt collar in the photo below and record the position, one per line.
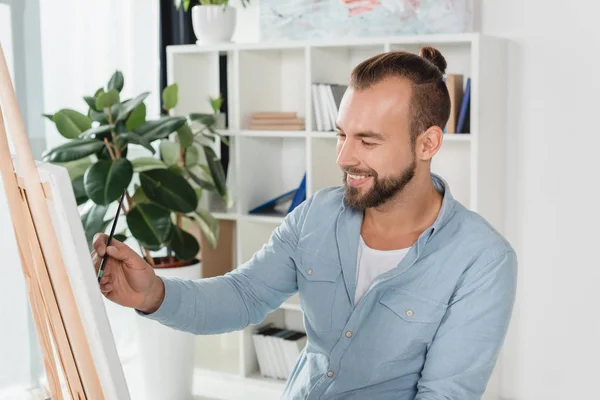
(447, 207)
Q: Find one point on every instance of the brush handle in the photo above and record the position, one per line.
(112, 232)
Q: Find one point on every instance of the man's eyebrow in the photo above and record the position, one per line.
(366, 134)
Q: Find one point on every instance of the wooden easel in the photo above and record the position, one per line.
(59, 327)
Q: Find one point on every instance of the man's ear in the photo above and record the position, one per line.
(428, 143)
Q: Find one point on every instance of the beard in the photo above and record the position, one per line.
(383, 188)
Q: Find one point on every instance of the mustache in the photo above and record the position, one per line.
(360, 173)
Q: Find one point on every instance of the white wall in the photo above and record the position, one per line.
(552, 350)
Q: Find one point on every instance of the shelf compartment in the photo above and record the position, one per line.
(333, 65)
(324, 171)
(193, 93)
(271, 80)
(280, 318)
(458, 55)
(218, 353)
(453, 163)
(256, 234)
(269, 167)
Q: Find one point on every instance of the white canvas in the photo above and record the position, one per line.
(83, 279)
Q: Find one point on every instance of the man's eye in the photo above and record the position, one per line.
(340, 135)
(368, 144)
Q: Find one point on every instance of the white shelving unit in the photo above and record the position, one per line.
(264, 164)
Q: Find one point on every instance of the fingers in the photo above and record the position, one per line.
(106, 288)
(120, 252)
(99, 243)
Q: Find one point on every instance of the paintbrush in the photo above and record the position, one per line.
(112, 232)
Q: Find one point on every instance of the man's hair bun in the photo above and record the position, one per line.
(435, 57)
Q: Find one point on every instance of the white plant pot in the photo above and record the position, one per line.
(213, 24)
(166, 355)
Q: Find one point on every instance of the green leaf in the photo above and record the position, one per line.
(186, 4)
(192, 156)
(79, 190)
(208, 225)
(205, 119)
(161, 128)
(130, 105)
(91, 102)
(169, 96)
(77, 168)
(93, 222)
(93, 132)
(71, 123)
(98, 116)
(134, 138)
(199, 194)
(120, 237)
(139, 197)
(107, 99)
(183, 244)
(169, 152)
(204, 184)
(105, 180)
(137, 117)
(151, 225)
(169, 190)
(73, 150)
(49, 116)
(216, 170)
(216, 103)
(185, 136)
(116, 81)
(142, 164)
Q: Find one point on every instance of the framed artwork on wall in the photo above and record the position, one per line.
(315, 19)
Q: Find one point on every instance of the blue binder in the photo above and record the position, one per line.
(297, 196)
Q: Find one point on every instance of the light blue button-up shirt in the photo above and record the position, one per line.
(429, 329)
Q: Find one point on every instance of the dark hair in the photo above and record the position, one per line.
(430, 101)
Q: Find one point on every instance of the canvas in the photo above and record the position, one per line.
(315, 19)
(78, 263)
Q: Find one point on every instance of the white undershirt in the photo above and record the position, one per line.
(372, 263)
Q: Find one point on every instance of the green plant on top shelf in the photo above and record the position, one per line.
(186, 3)
(166, 202)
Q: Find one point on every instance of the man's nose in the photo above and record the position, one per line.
(346, 155)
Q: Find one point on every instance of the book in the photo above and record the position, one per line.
(277, 350)
(280, 121)
(326, 99)
(463, 125)
(454, 83)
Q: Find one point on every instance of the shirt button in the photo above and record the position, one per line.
(410, 313)
(330, 374)
(348, 334)
(310, 271)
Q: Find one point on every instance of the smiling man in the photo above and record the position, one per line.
(406, 294)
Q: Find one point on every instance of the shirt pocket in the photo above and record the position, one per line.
(318, 282)
(414, 317)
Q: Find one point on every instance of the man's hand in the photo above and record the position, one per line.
(127, 279)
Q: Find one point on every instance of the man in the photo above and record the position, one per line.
(406, 294)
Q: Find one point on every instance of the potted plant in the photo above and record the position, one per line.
(213, 21)
(166, 189)
(163, 192)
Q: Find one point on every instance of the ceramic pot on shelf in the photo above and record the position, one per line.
(213, 23)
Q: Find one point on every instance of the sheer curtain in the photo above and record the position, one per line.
(60, 51)
(84, 42)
